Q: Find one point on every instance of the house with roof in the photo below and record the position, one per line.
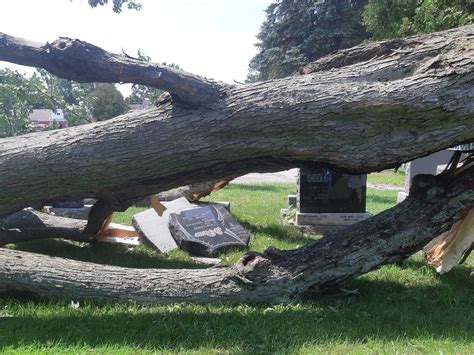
(41, 118)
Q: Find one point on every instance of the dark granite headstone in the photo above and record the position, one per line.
(206, 230)
(325, 191)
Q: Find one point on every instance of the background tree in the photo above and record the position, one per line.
(298, 32)
(15, 103)
(117, 4)
(107, 102)
(72, 97)
(391, 18)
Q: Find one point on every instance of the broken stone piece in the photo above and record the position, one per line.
(153, 229)
(206, 230)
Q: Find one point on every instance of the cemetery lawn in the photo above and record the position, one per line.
(389, 177)
(404, 308)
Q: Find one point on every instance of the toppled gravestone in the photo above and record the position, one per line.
(154, 229)
(206, 230)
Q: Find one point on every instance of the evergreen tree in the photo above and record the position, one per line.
(297, 32)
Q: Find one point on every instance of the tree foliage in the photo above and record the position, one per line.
(107, 102)
(117, 4)
(15, 102)
(296, 32)
(392, 18)
(72, 97)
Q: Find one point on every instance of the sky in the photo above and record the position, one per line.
(211, 38)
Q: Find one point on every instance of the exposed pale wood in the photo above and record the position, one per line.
(157, 205)
(274, 276)
(448, 249)
(371, 111)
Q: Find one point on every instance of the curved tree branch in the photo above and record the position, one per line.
(81, 61)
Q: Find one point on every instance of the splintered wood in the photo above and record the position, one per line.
(452, 246)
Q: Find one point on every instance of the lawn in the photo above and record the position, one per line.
(399, 308)
(390, 177)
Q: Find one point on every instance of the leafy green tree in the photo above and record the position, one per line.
(297, 32)
(106, 102)
(394, 18)
(15, 104)
(117, 4)
(141, 92)
(73, 97)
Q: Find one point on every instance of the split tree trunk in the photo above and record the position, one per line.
(274, 276)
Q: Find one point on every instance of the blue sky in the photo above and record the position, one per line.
(213, 38)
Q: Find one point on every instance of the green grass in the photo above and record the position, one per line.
(388, 177)
(404, 308)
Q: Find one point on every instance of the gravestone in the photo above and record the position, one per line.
(327, 199)
(425, 165)
(325, 191)
(154, 229)
(206, 230)
(70, 209)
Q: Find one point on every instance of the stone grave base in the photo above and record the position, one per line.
(329, 219)
(401, 196)
(322, 222)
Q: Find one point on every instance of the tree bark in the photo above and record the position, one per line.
(274, 276)
(81, 61)
(375, 107)
(26, 225)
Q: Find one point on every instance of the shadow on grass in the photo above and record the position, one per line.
(105, 253)
(383, 311)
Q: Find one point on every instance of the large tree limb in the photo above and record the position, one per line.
(274, 276)
(81, 61)
(26, 225)
(376, 112)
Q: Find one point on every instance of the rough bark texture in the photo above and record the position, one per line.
(81, 61)
(30, 225)
(194, 192)
(372, 108)
(274, 276)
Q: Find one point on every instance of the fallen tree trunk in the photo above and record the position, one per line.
(380, 105)
(274, 276)
(26, 225)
